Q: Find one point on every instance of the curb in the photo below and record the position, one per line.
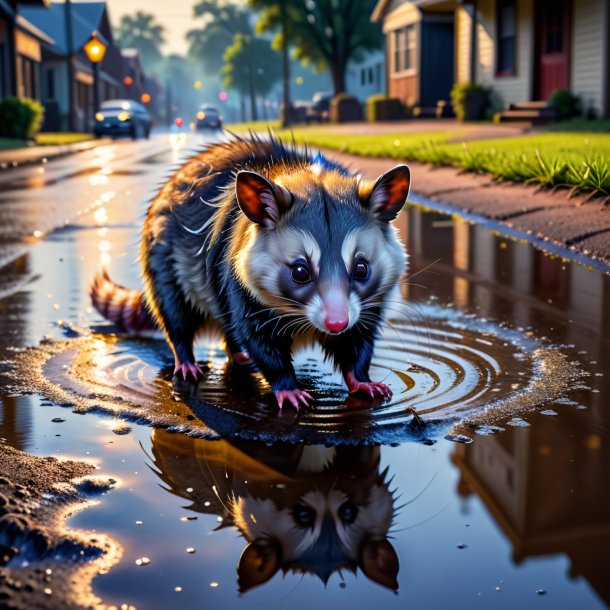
(18, 157)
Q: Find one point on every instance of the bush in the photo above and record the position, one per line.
(382, 108)
(345, 108)
(20, 117)
(566, 104)
(469, 100)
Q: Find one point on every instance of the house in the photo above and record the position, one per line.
(522, 49)
(56, 94)
(419, 50)
(367, 76)
(20, 50)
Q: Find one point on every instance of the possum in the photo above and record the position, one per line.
(272, 246)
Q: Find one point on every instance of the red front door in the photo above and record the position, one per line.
(552, 47)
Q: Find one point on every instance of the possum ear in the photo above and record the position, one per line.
(379, 562)
(389, 193)
(258, 563)
(262, 201)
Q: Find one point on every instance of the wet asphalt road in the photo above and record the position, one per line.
(497, 521)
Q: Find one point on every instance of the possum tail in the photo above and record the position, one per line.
(123, 307)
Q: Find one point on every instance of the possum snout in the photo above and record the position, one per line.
(335, 302)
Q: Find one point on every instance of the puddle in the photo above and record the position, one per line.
(457, 372)
(499, 496)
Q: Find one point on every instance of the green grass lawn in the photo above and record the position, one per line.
(254, 126)
(57, 139)
(579, 161)
(11, 143)
(46, 139)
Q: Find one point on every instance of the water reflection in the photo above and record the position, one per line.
(303, 509)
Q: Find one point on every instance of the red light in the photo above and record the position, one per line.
(222, 96)
(128, 81)
(179, 122)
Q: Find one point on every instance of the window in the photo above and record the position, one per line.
(554, 27)
(506, 11)
(404, 49)
(371, 75)
(50, 84)
(362, 76)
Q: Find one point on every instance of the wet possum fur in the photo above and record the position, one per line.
(273, 246)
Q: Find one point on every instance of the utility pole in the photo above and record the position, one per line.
(70, 64)
(286, 119)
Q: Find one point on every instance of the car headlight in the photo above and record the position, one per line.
(99, 116)
(201, 115)
(124, 116)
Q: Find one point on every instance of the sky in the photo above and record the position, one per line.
(175, 15)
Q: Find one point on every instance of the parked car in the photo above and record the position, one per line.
(122, 118)
(209, 117)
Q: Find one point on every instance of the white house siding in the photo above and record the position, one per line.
(463, 26)
(506, 89)
(367, 77)
(587, 69)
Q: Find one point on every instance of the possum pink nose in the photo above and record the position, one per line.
(334, 325)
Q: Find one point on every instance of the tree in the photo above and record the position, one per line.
(222, 21)
(251, 67)
(325, 33)
(141, 32)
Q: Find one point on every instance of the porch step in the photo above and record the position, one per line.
(532, 113)
(539, 105)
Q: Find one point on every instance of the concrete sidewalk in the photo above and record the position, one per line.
(549, 215)
(41, 154)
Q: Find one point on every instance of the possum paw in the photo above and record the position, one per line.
(372, 388)
(188, 368)
(295, 397)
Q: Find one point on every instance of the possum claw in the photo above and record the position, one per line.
(186, 368)
(294, 397)
(373, 388)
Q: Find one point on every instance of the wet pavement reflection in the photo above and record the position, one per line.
(519, 516)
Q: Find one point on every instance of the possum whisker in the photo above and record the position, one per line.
(200, 230)
(208, 203)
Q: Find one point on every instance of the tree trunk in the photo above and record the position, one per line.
(285, 69)
(264, 109)
(337, 72)
(242, 108)
(253, 110)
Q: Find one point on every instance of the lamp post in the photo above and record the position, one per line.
(95, 50)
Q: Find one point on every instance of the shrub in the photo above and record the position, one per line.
(20, 117)
(566, 104)
(469, 100)
(382, 108)
(345, 108)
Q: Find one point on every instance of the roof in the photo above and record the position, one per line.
(31, 29)
(382, 6)
(86, 18)
(379, 10)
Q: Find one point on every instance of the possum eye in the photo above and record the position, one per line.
(305, 516)
(348, 513)
(300, 273)
(361, 270)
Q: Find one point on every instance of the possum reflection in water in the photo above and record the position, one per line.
(272, 247)
(304, 509)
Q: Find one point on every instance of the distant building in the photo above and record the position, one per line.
(523, 49)
(86, 18)
(367, 77)
(20, 50)
(135, 85)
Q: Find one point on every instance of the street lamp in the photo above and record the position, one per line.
(95, 50)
